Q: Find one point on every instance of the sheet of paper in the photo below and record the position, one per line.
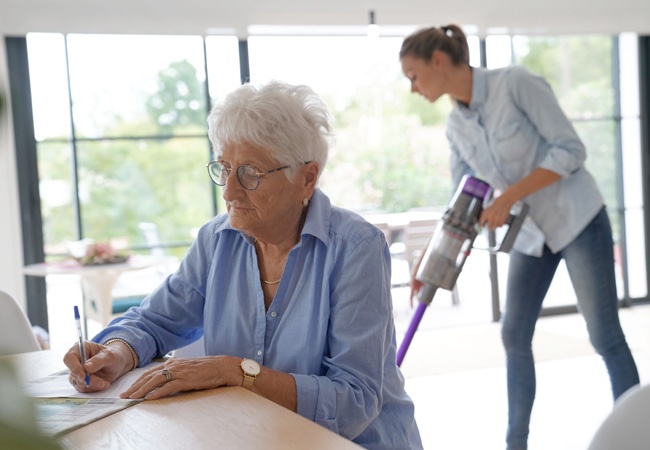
(58, 386)
(57, 416)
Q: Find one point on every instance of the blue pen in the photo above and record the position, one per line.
(82, 347)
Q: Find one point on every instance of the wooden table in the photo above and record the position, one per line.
(224, 418)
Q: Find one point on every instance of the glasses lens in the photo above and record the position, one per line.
(218, 173)
(248, 177)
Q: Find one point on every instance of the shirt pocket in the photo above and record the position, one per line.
(466, 141)
(513, 147)
(510, 141)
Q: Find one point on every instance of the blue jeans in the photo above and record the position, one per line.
(590, 263)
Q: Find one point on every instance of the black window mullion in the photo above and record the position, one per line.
(28, 179)
(208, 108)
(244, 66)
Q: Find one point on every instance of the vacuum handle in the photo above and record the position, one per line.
(515, 221)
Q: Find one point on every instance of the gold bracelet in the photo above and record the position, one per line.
(133, 354)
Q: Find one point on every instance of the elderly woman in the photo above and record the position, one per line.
(291, 294)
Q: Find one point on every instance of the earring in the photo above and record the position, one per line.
(305, 201)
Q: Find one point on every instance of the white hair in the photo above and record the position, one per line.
(289, 121)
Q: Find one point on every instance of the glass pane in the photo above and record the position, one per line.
(49, 85)
(498, 51)
(390, 154)
(125, 182)
(57, 196)
(578, 68)
(390, 151)
(223, 65)
(137, 85)
(474, 44)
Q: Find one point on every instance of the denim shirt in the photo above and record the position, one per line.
(330, 324)
(512, 126)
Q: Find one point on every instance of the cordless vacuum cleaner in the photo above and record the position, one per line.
(451, 243)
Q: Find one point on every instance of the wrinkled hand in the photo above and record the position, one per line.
(103, 364)
(187, 374)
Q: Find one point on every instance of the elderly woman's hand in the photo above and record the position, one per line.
(186, 374)
(104, 365)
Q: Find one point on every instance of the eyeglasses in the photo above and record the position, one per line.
(248, 176)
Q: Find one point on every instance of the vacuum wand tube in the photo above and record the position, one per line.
(451, 244)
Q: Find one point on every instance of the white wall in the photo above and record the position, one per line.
(204, 16)
(11, 255)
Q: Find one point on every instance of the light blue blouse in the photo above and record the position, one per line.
(512, 126)
(330, 324)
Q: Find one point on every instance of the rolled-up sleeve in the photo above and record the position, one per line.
(172, 315)
(531, 93)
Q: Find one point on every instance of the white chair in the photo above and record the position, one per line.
(416, 236)
(149, 231)
(626, 427)
(16, 334)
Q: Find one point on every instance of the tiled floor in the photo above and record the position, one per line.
(465, 407)
(454, 370)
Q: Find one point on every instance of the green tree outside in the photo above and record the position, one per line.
(390, 152)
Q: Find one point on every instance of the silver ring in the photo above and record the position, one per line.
(168, 375)
(73, 382)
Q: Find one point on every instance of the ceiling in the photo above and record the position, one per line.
(395, 17)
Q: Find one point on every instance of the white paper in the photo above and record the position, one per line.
(57, 416)
(57, 385)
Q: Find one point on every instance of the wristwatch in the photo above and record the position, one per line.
(251, 370)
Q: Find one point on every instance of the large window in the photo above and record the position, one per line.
(585, 76)
(121, 134)
(390, 152)
(126, 143)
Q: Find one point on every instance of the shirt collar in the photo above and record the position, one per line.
(479, 89)
(319, 215)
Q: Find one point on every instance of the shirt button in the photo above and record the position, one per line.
(259, 353)
(273, 314)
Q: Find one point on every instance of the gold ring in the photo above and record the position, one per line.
(168, 375)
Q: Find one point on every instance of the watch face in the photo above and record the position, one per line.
(250, 366)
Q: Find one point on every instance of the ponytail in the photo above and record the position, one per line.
(449, 39)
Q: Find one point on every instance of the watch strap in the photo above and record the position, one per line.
(248, 381)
